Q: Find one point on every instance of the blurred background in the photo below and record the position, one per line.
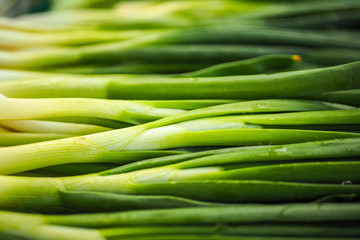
(173, 36)
(12, 8)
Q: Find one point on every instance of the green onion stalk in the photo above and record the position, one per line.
(125, 111)
(17, 113)
(137, 112)
(29, 131)
(85, 168)
(294, 84)
(34, 126)
(251, 66)
(257, 65)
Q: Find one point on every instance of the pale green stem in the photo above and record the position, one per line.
(34, 126)
(125, 111)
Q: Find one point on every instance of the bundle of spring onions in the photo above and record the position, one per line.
(169, 120)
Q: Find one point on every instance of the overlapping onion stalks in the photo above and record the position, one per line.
(207, 192)
(259, 148)
(300, 221)
(196, 128)
(193, 48)
(172, 38)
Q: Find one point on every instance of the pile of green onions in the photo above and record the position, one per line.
(170, 126)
